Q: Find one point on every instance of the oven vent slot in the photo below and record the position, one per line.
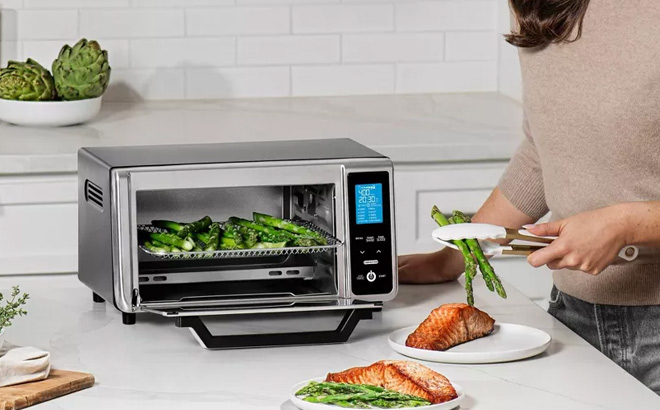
(93, 193)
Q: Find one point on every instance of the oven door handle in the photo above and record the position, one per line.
(338, 335)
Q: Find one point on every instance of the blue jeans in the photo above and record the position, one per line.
(629, 335)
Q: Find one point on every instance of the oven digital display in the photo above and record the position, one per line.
(369, 204)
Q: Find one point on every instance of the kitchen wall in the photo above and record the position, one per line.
(173, 49)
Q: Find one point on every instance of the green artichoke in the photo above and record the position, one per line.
(27, 81)
(81, 71)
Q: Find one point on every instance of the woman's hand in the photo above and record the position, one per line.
(442, 266)
(589, 241)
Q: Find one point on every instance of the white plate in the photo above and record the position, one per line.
(507, 343)
(49, 113)
(305, 405)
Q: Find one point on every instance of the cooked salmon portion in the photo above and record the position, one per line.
(450, 325)
(401, 376)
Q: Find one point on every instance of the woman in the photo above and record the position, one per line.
(591, 156)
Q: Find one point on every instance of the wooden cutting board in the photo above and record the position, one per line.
(58, 383)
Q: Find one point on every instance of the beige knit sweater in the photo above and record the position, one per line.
(592, 121)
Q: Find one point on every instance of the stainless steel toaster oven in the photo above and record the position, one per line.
(338, 189)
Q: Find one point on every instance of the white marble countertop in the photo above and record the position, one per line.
(408, 128)
(154, 365)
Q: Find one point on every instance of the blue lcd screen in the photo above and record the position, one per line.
(369, 204)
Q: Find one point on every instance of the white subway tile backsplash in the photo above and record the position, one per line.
(72, 4)
(156, 84)
(45, 51)
(469, 46)
(180, 3)
(244, 82)
(162, 49)
(396, 47)
(47, 25)
(8, 24)
(446, 77)
(280, 2)
(288, 50)
(446, 15)
(342, 80)
(131, 23)
(9, 50)
(11, 4)
(183, 52)
(237, 20)
(343, 18)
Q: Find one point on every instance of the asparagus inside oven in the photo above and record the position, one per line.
(205, 235)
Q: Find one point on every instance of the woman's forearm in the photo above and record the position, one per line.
(643, 222)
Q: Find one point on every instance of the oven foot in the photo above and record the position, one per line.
(338, 335)
(128, 318)
(97, 298)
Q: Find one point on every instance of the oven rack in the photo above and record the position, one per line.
(333, 243)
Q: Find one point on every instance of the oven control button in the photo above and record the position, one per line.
(381, 238)
(379, 251)
(371, 262)
(370, 239)
(362, 252)
(371, 276)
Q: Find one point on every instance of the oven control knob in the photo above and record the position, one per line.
(371, 276)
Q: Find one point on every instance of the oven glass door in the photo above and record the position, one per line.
(306, 192)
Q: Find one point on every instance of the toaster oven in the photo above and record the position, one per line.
(341, 190)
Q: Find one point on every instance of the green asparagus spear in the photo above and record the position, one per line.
(171, 226)
(231, 230)
(250, 236)
(486, 268)
(172, 240)
(357, 396)
(304, 242)
(288, 226)
(214, 237)
(199, 226)
(156, 247)
(182, 230)
(269, 245)
(468, 259)
(470, 273)
(266, 233)
(203, 237)
(229, 244)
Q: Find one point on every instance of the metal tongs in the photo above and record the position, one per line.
(483, 232)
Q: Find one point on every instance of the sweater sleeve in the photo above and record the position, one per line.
(522, 181)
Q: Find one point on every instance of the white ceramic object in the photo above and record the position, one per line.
(2, 337)
(49, 113)
(304, 405)
(507, 343)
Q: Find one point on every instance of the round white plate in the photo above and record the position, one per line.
(507, 343)
(305, 405)
(49, 113)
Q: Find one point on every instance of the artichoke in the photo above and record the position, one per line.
(27, 81)
(81, 71)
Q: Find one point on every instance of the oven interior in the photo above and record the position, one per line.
(255, 281)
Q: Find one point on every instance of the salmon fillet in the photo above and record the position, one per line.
(401, 376)
(450, 325)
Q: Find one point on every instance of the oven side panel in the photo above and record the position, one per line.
(95, 267)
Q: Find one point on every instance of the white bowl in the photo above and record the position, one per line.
(49, 113)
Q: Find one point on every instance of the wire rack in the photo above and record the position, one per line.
(333, 243)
